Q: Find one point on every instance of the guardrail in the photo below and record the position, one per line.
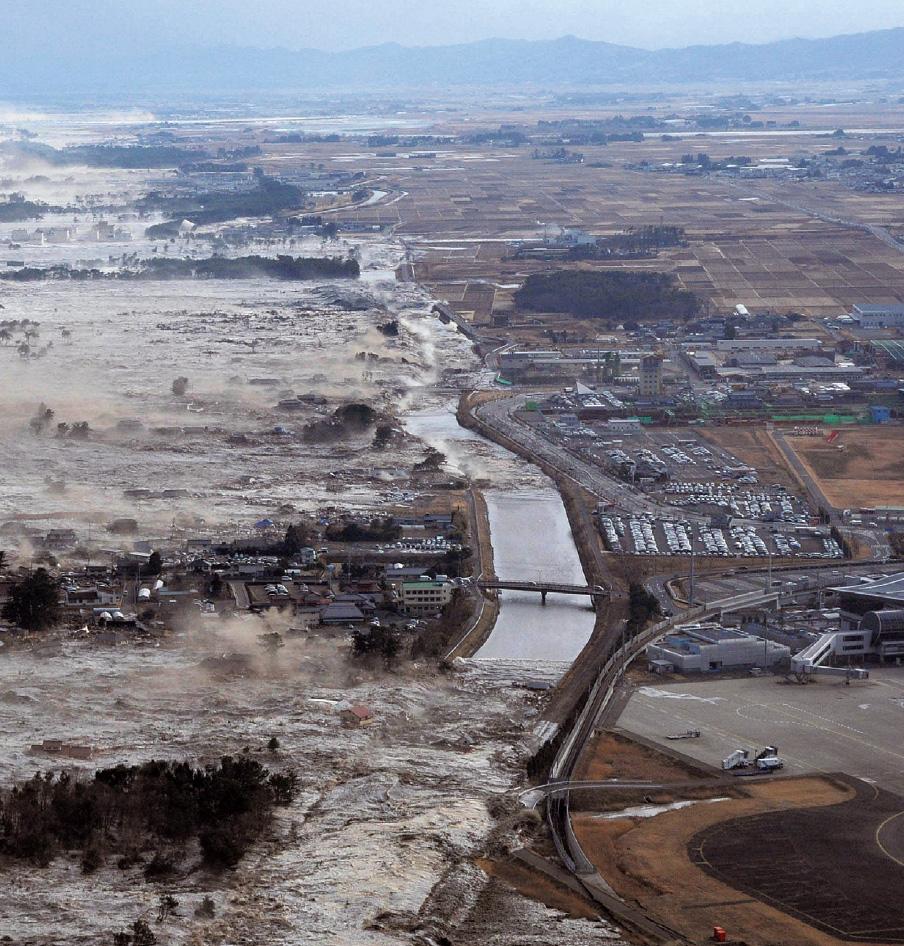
(558, 807)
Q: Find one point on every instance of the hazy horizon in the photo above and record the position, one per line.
(349, 24)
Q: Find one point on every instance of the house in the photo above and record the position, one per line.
(395, 574)
(341, 612)
(61, 539)
(355, 715)
(93, 596)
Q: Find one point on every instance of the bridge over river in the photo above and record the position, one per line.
(543, 588)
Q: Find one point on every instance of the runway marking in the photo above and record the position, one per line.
(882, 847)
(666, 695)
(825, 719)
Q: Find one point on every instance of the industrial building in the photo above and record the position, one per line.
(709, 648)
(878, 316)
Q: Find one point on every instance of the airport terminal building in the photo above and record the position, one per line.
(709, 648)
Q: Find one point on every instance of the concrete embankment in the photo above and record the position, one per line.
(487, 610)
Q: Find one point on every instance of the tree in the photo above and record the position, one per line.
(142, 934)
(390, 646)
(42, 419)
(296, 539)
(155, 563)
(180, 386)
(206, 909)
(166, 906)
(34, 604)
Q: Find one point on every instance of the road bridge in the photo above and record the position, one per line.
(543, 588)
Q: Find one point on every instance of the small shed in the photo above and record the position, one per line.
(661, 667)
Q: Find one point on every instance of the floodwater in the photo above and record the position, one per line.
(531, 541)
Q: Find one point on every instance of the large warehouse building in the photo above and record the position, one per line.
(878, 316)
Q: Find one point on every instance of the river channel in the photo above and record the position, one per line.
(531, 540)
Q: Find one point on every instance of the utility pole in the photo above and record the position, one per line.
(693, 559)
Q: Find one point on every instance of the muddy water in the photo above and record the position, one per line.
(531, 541)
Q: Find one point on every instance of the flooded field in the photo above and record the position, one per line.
(383, 811)
(244, 348)
(199, 393)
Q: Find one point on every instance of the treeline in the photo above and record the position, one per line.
(142, 814)
(104, 155)
(16, 208)
(634, 243)
(297, 268)
(616, 296)
(268, 197)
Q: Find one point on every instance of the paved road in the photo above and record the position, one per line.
(498, 414)
(817, 496)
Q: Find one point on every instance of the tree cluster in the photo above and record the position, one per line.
(643, 607)
(376, 641)
(270, 196)
(377, 530)
(135, 810)
(611, 296)
(346, 421)
(34, 603)
(634, 243)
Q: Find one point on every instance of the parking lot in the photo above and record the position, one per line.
(823, 726)
(646, 535)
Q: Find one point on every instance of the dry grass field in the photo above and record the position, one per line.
(864, 466)
(646, 861)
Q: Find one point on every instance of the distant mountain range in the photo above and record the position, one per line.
(555, 63)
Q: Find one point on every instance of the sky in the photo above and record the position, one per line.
(345, 24)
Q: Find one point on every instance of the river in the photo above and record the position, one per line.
(531, 540)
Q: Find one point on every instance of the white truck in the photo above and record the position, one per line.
(768, 761)
(739, 759)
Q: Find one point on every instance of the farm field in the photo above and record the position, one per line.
(785, 246)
